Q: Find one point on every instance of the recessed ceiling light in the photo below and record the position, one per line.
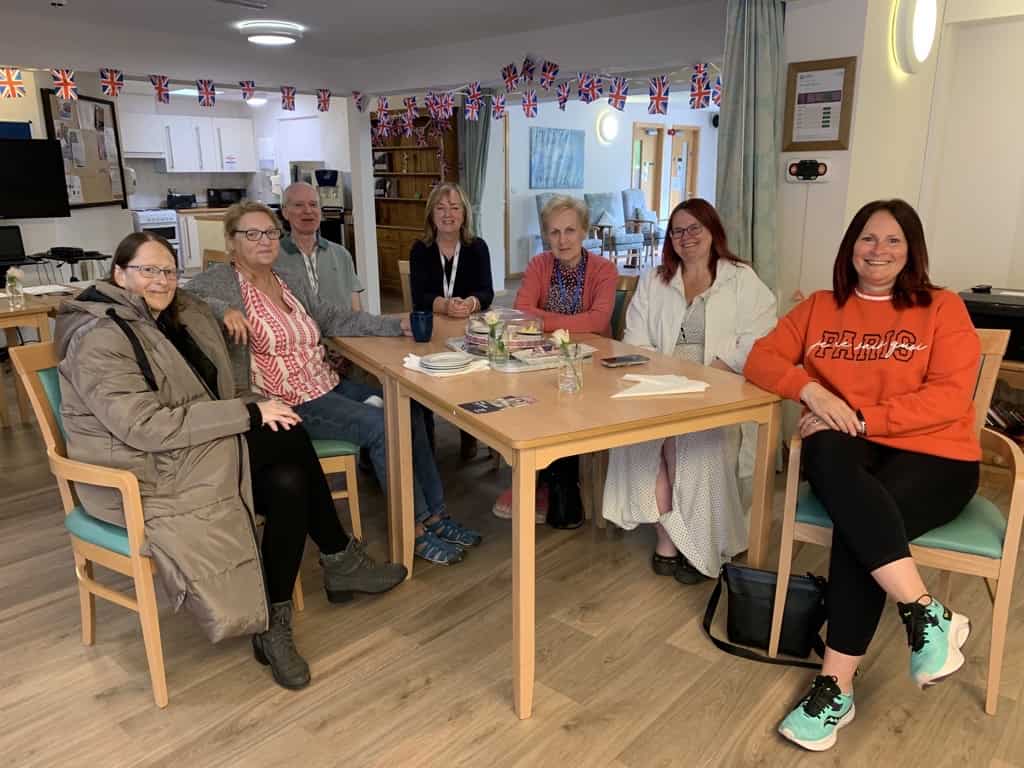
(256, 101)
(184, 92)
(270, 31)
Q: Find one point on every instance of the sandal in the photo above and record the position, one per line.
(665, 565)
(433, 550)
(452, 532)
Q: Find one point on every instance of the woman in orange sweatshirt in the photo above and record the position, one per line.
(885, 364)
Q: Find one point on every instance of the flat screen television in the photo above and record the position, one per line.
(32, 184)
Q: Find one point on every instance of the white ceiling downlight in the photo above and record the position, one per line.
(271, 31)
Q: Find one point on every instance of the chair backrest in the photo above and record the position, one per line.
(213, 256)
(403, 276)
(632, 199)
(600, 203)
(624, 290)
(993, 348)
(36, 365)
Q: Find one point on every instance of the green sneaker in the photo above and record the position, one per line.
(822, 712)
(935, 635)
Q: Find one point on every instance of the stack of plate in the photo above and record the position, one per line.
(445, 362)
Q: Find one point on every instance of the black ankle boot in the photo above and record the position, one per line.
(276, 648)
(565, 505)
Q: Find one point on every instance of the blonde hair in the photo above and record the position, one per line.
(559, 203)
(466, 234)
(235, 213)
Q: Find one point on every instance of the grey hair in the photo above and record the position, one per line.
(293, 185)
(559, 203)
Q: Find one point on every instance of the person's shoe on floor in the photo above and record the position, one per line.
(353, 570)
(814, 721)
(276, 648)
(935, 635)
(432, 549)
(503, 506)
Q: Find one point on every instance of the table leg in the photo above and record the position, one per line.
(763, 488)
(4, 417)
(44, 329)
(523, 581)
(401, 526)
(24, 408)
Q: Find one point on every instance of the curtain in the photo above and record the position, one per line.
(749, 135)
(474, 135)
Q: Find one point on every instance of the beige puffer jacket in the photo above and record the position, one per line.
(183, 444)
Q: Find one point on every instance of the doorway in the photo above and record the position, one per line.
(683, 164)
(646, 163)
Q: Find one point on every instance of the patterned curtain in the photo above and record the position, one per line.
(749, 136)
(473, 138)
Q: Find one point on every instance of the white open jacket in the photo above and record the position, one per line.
(739, 309)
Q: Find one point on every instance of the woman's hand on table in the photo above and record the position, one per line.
(833, 411)
(276, 414)
(460, 308)
(237, 326)
(406, 326)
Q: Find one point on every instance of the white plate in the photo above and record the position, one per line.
(446, 361)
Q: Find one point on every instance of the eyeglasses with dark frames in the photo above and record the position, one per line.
(255, 235)
(151, 272)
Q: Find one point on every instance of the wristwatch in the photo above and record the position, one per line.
(862, 426)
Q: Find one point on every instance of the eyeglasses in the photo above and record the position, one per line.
(254, 235)
(693, 230)
(152, 273)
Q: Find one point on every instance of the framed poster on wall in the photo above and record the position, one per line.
(91, 145)
(819, 104)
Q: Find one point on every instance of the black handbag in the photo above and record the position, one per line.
(749, 617)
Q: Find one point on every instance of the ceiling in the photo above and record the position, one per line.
(347, 42)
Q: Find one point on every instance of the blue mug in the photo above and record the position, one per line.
(422, 324)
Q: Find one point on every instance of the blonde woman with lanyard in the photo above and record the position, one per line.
(450, 270)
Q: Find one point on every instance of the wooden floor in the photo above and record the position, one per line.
(422, 676)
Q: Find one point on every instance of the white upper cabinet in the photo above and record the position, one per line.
(181, 144)
(141, 135)
(191, 144)
(237, 144)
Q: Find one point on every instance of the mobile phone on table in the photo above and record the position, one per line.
(619, 361)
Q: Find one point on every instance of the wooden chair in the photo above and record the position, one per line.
(93, 540)
(625, 288)
(980, 542)
(403, 274)
(339, 457)
(213, 256)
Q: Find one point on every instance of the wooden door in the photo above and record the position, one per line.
(645, 175)
(683, 164)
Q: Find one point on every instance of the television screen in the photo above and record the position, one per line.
(32, 182)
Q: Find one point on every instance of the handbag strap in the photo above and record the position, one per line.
(745, 653)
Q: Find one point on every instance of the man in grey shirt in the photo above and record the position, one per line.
(324, 266)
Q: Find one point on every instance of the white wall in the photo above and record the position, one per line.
(606, 166)
(491, 226)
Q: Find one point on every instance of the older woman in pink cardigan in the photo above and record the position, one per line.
(569, 288)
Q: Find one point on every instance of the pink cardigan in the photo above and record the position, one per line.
(598, 295)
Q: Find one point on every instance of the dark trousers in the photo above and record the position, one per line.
(291, 493)
(879, 499)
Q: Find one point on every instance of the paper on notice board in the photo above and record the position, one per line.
(116, 190)
(74, 190)
(110, 143)
(819, 99)
(76, 140)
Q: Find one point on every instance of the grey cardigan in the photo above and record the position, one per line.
(218, 287)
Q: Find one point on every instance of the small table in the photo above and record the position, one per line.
(35, 313)
(557, 425)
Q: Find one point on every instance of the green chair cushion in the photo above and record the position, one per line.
(978, 530)
(50, 380)
(327, 449)
(95, 531)
(618, 314)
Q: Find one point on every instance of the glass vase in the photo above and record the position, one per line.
(497, 346)
(570, 370)
(15, 293)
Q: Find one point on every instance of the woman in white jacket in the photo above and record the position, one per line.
(704, 305)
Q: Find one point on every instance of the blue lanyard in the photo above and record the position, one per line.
(577, 299)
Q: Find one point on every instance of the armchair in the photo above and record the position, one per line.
(607, 215)
(644, 220)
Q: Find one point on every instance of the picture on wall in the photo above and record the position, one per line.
(556, 158)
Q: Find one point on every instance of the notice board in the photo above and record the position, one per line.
(87, 131)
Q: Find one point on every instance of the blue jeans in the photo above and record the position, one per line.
(341, 414)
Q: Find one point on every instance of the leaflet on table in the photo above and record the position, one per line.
(498, 404)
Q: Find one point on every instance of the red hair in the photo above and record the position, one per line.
(705, 213)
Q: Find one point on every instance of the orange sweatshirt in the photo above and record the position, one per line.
(910, 372)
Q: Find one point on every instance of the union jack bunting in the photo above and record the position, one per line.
(384, 127)
(510, 76)
(421, 137)
(405, 123)
(498, 106)
(701, 70)
(562, 94)
(207, 93)
(431, 101)
(473, 92)
(530, 103)
(64, 84)
(360, 99)
(445, 105)
(111, 81)
(528, 71)
(590, 87)
(382, 106)
(12, 84)
(248, 89)
(472, 110)
(657, 89)
(288, 98)
(548, 73)
(323, 99)
(440, 126)
(410, 107)
(716, 92)
(700, 92)
(162, 88)
(617, 93)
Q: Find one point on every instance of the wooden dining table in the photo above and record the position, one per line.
(556, 425)
(35, 314)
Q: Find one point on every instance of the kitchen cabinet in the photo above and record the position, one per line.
(236, 144)
(181, 148)
(141, 135)
(192, 144)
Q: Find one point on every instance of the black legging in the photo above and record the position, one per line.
(879, 499)
(291, 493)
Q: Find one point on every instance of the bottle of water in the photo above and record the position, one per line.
(15, 291)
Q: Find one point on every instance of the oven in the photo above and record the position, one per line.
(159, 221)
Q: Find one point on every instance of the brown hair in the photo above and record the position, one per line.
(466, 233)
(913, 287)
(705, 213)
(235, 213)
(125, 254)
